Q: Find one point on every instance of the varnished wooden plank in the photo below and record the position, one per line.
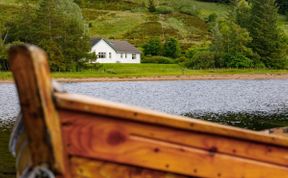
(97, 106)
(283, 131)
(166, 149)
(31, 73)
(88, 168)
(226, 145)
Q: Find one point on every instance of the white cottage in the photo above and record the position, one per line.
(115, 51)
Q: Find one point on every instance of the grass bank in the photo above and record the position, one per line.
(7, 161)
(152, 70)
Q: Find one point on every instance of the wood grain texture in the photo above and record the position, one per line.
(175, 150)
(283, 131)
(23, 160)
(91, 105)
(89, 168)
(31, 73)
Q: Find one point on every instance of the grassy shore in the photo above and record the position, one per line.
(150, 71)
(7, 161)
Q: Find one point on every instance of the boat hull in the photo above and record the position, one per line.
(68, 135)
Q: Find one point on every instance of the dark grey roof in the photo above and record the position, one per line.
(94, 41)
(123, 46)
(118, 45)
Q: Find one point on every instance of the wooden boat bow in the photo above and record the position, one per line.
(78, 136)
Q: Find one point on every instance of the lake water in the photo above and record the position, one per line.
(212, 100)
(252, 104)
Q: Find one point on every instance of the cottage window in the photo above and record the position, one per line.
(125, 55)
(101, 55)
(133, 56)
(121, 55)
(110, 55)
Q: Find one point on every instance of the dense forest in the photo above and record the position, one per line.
(282, 4)
(198, 34)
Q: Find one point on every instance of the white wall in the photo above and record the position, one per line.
(102, 46)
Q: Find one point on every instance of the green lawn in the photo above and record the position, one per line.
(148, 70)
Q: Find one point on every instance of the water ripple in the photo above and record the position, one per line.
(202, 99)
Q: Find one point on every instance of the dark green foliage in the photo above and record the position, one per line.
(171, 48)
(58, 27)
(269, 42)
(192, 51)
(152, 47)
(164, 10)
(202, 60)
(237, 60)
(230, 39)
(151, 6)
(229, 45)
(4, 46)
(3, 56)
(181, 59)
(283, 6)
(241, 13)
(21, 27)
(212, 18)
(4, 64)
(157, 60)
(259, 121)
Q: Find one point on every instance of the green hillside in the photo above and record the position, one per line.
(129, 19)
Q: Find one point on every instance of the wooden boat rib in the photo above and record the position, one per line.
(74, 136)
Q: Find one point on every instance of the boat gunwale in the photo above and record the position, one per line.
(92, 105)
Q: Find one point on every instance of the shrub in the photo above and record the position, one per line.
(278, 63)
(237, 61)
(152, 47)
(164, 10)
(202, 60)
(151, 6)
(212, 18)
(192, 51)
(171, 48)
(157, 60)
(192, 10)
(182, 59)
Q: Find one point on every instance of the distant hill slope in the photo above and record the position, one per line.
(129, 19)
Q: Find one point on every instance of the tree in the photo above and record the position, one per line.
(4, 46)
(229, 39)
(58, 27)
(283, 6)
(3, 49)
(3, 56)
(241, 12)
(268, 40)
(23, 27)
(152, 6)
(152, 47)
(171, 48)
(201, 60)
